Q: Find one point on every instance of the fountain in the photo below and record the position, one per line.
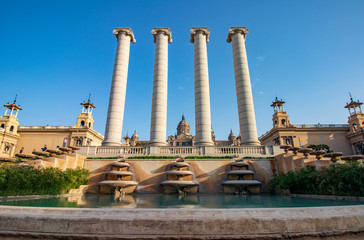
(333, 156)
(240, 179)
(119, 180)
(180, 179)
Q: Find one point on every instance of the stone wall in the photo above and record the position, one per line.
(149, 173)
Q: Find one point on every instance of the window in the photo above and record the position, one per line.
(11, 129)
(65, 142)
(2, 125)
(283, 122)
(82, 124)
(89, 125)
(355, 128)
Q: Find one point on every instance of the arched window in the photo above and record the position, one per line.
(283, 122)
(355, 128)
(2, 125)
(276, 123)
(89, 125)
(11, 129)
(82, 124)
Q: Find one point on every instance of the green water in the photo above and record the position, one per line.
(176, 201)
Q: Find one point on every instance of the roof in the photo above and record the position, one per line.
(12, 106)
(277, 102)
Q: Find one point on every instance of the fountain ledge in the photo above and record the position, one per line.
(89, 223)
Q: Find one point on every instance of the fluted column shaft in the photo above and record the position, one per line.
(248, 128)
(199, 36)
(115, 114)
(158, 126)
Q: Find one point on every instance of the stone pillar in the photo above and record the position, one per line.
(200, 36)
(158, 126)
(248, 128)
(115, 114)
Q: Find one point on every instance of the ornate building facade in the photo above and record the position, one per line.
(346, 138)
(15, 137)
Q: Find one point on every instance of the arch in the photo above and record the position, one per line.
(284, 122)
(355, 127)
(82, 123)
(2, 125)
(276, 123)
(89, 125)
(11, 129)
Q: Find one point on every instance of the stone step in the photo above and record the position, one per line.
(241, 182)
(240, 172)
(184, 173)
(123, 173)
(118, 183)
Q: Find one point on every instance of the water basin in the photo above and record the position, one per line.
(201, 201)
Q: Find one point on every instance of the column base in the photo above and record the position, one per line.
(158, 144)
(204, 144)
(250, 144)
(111, 144)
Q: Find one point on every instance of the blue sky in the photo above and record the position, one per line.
(54, 53)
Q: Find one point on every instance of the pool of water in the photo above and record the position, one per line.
(176, 201)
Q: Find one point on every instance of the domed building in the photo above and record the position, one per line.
(183, 137)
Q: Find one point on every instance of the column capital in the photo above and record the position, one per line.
(204, 30)
(233, 30)
(126, 31)
(165, 31)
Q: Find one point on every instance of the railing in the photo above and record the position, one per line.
(44, 127)
(312, 126)
(121, 151)
(125, 151)
(321, 125)
(253, 150)
(180, 151)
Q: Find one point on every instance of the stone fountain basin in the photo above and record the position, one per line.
(41, 153)
(352, 157)
(179, 164)
(240, 172)
(118, 183)
(239, 164)
(5, 159)
(333, 154)
(22, 155)
(184, 173)
(123, 173)
(176, 182)
(54, 151)
(241, 182)
(120, 164)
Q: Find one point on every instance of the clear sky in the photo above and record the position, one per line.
(54, 53)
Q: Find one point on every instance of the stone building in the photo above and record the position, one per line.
(15, 137)
(346, 138)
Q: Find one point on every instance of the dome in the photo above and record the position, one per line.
(135, 136)
(183, 127)
(231, 136)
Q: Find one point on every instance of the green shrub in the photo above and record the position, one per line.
(337, 179)
(208, 157)
(152, 157)
(27, 180)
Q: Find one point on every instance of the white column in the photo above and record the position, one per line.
(158, 125)
(200, 36)
(248, 128)
(115, 114)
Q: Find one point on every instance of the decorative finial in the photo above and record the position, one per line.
(16, 95)
(183, 116)
(89, 97)
(351, 98)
